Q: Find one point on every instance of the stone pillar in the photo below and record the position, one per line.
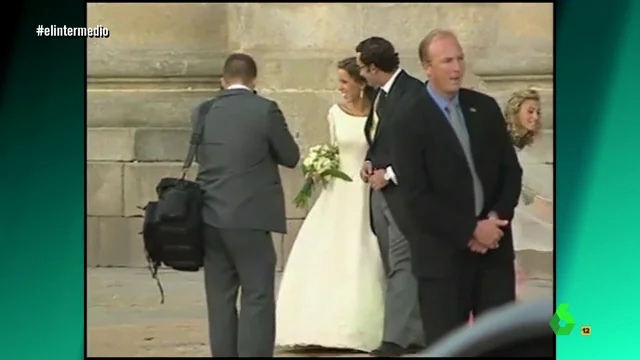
(160, 61)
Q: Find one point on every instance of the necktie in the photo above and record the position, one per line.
(377, 107)
(460, 128)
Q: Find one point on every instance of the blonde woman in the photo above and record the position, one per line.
(522, 115)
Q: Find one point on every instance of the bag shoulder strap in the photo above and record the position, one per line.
(200, 115)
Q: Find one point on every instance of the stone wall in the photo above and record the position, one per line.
(162, 59)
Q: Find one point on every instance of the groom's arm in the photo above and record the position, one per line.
(431, 213)
(385, 164)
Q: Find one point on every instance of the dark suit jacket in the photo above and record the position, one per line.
(245, 139)
(403, 92)
(436, 181)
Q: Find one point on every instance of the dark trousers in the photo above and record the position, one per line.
(476, 287)
(242, 260)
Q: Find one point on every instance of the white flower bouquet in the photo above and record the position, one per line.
(320, 167)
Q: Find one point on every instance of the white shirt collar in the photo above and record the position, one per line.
(387, 86)
(237, 86)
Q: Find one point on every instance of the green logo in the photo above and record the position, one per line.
(562, 322)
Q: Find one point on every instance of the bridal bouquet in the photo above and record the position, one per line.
(319, 168)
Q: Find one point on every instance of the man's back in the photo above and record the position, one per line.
(245, 139)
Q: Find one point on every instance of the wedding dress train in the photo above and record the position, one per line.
(332, 290)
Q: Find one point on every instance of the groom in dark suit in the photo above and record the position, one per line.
(245, 139)
(460, 178)
(380, 66)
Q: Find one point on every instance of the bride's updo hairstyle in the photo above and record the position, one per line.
(350, 65)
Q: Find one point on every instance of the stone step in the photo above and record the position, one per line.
(117, 188)
(116, 242)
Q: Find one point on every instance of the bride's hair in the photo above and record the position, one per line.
(350, 65)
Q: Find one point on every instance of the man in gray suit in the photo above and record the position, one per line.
(245, 138)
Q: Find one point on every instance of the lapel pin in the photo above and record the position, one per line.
(472, 109)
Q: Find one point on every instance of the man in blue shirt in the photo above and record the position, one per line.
(461, 181)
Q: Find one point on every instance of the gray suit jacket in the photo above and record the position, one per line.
(245, 138)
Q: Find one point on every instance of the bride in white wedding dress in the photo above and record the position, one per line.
(332, 290)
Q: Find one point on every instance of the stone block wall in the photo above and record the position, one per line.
(159, 63)
(163, 59)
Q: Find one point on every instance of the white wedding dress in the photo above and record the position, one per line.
(332, 290)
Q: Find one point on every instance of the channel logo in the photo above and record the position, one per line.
(562, 323)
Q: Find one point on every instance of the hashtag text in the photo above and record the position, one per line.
(98, 31)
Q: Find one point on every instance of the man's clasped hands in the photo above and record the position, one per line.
(487, 234)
